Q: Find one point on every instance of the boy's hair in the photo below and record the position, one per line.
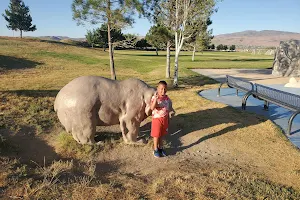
(163, 83)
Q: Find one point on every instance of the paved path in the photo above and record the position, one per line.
(276, 113)
(261, 76)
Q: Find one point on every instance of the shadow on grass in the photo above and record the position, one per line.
(13, 63)
(33, 93)
(150, 55)
(234, 60)
(74, 43)
(184, 124)
(28, 148)
(196, 80)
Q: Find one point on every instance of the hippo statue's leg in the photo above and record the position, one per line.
(84, 130)
(123, 129)
(133, 127)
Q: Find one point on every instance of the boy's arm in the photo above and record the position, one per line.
(172, 111)
(154, 102)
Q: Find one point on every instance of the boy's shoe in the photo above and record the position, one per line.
(156, 154)
(162, 152)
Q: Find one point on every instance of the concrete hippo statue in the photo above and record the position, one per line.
(90, 101)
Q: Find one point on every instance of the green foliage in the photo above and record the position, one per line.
(18, 17)
(117, 14)
(158, 36)
(220, 47)
(225, 47)
(90, 38)
(232, 47)
(129, 42)
(100, 36)
(202, 38)
(142, 43)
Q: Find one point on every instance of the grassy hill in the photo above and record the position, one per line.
(215, 152)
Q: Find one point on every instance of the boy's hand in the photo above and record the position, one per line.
(154, 103)
(156, 95)
(171, 114)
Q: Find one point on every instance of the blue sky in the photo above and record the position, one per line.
(54, 17)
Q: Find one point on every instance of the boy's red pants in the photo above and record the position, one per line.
(159, 126)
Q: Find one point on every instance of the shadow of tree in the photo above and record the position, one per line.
(33, 93)
(184, 124)
(72, 43)
(29, 148)
(235, 60)
(196, 80)
(11, 63)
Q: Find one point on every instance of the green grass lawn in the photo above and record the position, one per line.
(40, 65)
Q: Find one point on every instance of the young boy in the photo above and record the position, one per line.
(161, 107)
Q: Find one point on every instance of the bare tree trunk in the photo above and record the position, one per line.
(156, 51)
(177, 50)
(194, 51)
(21, 35)
(168, 61)
(111, 55)
(175, 82)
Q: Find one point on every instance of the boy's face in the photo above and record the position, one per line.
(161, 90)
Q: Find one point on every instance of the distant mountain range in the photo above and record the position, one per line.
(244, 39)
(59, 38)
(265, 38)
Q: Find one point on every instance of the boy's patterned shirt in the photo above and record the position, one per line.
(163, 107)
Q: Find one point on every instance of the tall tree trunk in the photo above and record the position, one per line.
(111, 55)
(21, 35)
(194, 51)
(156, 51)
(175, 82)
(168, 61)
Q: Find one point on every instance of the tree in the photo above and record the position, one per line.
(232, 48)
(220, 47)
(201, 40)
(184, 18)
(157, 36)
(116, 14)
(225, 47)
(101, 36)
(90, 38)
(18, 17)
(160, 37)
(129, 41)
(142, 43)
(212, 47)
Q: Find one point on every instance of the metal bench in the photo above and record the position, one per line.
(284, 99)
(238, 84)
